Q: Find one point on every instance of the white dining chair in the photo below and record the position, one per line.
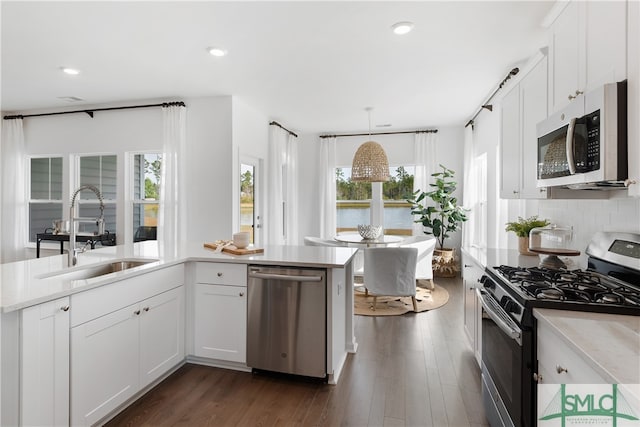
(425, 246)
(391, 272)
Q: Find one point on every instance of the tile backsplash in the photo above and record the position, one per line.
(589, 216)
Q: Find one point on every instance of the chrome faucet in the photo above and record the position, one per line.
(73, 251)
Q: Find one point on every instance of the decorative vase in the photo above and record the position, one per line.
(523, 246)
(444, 263)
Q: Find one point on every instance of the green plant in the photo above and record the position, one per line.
(522, 226)
(444, 216)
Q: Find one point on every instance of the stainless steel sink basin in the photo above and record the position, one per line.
(97, 270)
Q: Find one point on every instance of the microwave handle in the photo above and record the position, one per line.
(569, 146)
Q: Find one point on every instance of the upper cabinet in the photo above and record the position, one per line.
(587, 48)
(522, 108)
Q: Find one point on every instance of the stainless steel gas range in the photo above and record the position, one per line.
(610, 284)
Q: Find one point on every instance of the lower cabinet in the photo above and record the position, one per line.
(116, 355)
(560, 364)
(471, 275)
(44, 369)
(220, 322)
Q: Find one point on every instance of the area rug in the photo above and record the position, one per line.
(394, 306)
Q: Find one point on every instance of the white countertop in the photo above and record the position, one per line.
(22, 284)
(609, 343)
(491, 257)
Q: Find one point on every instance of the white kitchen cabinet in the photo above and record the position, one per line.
(44, 371)
(510, 144)
(587, 48)
(118, 354)
(522, 108)
(220, 311)
(558, 363)
(471, 274)
(105, 364)
(161, 334)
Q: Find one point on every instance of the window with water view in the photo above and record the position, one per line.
(353, 202)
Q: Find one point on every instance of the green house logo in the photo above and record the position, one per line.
(588, 405)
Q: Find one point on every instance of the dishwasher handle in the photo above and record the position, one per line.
(285, 277)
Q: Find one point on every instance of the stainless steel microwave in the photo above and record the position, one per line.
(584, 146)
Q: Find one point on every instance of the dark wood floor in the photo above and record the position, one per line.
(411, 370)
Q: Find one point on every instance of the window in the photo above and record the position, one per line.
(45, 194)
(146, 195)
(101, 172)
(354, 201)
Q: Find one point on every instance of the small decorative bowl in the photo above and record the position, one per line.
(369, 232)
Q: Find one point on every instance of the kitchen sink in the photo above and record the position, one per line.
(92, 271)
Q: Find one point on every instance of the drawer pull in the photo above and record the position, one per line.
(560, 369)
(137, 312)
(241, 294)
(146, 309)
(219, 274)
(537, 377)
(64, 308)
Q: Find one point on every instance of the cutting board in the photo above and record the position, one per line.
(235, 251)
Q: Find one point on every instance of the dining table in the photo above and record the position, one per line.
(355, 239)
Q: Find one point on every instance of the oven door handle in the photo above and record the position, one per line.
(499, 316)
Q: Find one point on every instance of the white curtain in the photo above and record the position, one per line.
(171, 215)
(14, 203)
(282, 180)
(328, 216)
(467, 189)
(425, 157)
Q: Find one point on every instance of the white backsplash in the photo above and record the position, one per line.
(589, 216)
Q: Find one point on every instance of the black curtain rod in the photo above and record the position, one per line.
(282, 127)
(92, 110)
(486, 104)
(380, 133)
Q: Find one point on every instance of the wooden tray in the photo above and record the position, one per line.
(235, 251)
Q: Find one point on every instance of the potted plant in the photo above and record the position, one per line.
(522, 227)
(441, 217)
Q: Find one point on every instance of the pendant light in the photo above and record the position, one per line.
(370, 162)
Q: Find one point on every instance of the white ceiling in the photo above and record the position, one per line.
(312, 66)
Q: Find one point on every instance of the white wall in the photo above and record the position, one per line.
(400, 151)
(218, 130)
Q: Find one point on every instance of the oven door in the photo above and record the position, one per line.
(502, 363)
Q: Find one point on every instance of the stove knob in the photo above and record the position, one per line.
(511, 307)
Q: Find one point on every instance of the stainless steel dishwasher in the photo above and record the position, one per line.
(287, 320)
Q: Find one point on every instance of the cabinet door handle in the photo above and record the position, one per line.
(64, 308)
(137, 312)
(467, 265)
(241, 294)
(219, 274)
(146, 309)
(515, 191)
(537, 377)
(560, 369)
(578, 93)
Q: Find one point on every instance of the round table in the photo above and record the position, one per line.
(356, 239)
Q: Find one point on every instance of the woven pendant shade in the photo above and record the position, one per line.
(370, 163)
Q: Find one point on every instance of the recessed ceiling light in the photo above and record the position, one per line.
(70, 71)
(402, 27)
(217, 51)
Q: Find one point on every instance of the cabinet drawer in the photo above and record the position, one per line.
(221, 273)
(554, 353)
(106, 299)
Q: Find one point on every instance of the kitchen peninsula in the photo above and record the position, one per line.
(81, 348)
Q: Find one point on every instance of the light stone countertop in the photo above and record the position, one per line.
(609, 343)
(25, 283)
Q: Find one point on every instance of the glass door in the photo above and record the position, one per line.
(250, 217)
